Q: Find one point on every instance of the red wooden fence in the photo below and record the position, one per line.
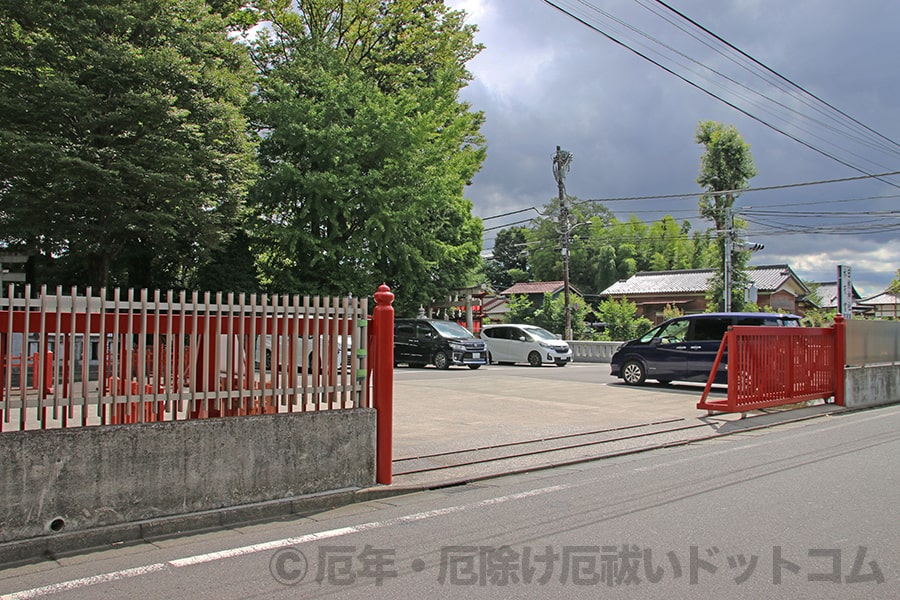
(773, 366)
(124, 357)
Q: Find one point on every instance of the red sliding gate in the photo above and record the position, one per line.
(772, 366)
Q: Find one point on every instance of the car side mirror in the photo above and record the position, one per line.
(656, 341)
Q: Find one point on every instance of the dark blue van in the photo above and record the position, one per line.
(685, 348)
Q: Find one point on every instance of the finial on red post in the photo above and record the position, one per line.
(384, 296)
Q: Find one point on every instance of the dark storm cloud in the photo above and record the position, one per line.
(545, 79)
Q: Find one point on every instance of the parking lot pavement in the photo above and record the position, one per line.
(461, 409)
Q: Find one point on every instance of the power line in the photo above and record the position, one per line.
(860, 139)
(749, 189)
(585, 20)
(515, 212)
(777, 74)
(513, 224)
(698, 194)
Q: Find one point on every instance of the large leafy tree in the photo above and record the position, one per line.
(622, 322)
(610, 249)
(587, 220)
(509, 261)
(726, 167)
(550, 314)
(365, 149)
(123, 149)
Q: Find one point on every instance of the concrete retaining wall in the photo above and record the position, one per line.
(597, 352)
(56, 482)
(871, 385)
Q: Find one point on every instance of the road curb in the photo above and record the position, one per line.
(60, 545)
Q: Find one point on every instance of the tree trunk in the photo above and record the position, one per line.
(98, 269)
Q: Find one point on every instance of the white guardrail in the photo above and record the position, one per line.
(596, 352)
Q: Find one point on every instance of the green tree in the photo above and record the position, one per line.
(818, 317)
(607, 272)
(670, 312)
(894, 286)
(231, 268)
(726, 167)
(366, 149)
(621, 320)
(551, 314)
(124, 153)
(609, 250)
(545, 237)
(521, 309)
(509, 261)
(671, 247)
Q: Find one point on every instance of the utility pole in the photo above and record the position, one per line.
(731, 244)
(727, 250)
(561, 162)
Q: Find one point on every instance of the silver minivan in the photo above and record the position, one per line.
(524, 344)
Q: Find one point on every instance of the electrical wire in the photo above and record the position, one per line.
(738, 101)
(894, 146)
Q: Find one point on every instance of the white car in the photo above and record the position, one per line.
(337, 343)
(524, 344)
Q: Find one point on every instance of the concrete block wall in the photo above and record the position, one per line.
(56, 482)
(597, 352)
(871, 385)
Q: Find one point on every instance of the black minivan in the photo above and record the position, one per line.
(685, 348)
(420, 342)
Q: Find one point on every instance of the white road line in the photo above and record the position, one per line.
(85, 582)
(273, 545)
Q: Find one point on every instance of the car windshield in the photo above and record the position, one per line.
(651, 334)
(541, 333)
(449, 329)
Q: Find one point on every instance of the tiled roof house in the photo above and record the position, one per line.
(535, 290)
(828, 295)
(776, 286)
(496, 308)
(883, 305)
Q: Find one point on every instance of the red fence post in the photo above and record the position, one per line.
(840, 357)
(383, 382)
(48, 373)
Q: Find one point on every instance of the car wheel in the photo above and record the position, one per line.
(473, 367)
(441, 360)
(490, 359)
(534, 359)
(633, 373)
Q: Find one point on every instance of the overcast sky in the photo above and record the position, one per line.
(546, 79)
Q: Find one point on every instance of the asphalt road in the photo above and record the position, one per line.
(802, 510)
